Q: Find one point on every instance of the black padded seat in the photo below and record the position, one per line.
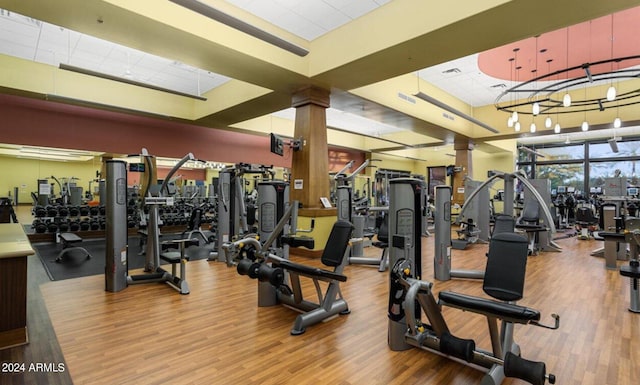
(512, 312)
(585, 216)
(506, 267)
(332, 255)
(179, 245)
(193, 225)
(172, 257)
(298, 241)
(68, 240)
(312, 271)
(630, 271)
(529, 222)
(383, 234)
(503, 280)
(337, 243)
(503, 224)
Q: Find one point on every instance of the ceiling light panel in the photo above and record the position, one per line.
(308, 19)
(31, 39)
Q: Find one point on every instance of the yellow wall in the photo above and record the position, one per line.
(24, 174)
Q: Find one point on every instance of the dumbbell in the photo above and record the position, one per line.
(39, 226)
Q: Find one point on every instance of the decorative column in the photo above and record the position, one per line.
(310, 165)
(463, 147)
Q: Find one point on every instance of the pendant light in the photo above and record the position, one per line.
(514, 116)
(515, 110)
(566, 100)
(548, 122)
(585, 124)
(535, 109)
(611, 91)
(617, 123)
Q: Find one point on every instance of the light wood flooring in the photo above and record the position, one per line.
(149, 334)
(217, 335)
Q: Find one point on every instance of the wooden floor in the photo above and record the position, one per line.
(149, 334)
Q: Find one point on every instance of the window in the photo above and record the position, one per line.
(560, 153)
(583, 166)
(568, 175)
(604, 150)
(607, 169)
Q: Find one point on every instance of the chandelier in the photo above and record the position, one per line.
(592, 77)
(550, 96)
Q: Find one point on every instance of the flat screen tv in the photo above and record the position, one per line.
(277, 144)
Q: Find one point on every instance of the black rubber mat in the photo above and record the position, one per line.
(75, 264)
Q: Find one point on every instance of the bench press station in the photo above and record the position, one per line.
(410, 298)
(68, 240)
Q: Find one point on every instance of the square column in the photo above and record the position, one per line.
(463, 148)
(310, 165)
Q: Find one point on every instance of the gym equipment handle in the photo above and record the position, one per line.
(556, 317)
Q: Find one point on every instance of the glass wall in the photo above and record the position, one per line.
(582, 166)
(563, 174)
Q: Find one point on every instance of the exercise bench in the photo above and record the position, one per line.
(68, 240)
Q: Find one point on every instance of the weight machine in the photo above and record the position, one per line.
(410, 297)
(541, 232)
(442, 255)
(155, 196)
(474, 226)
(232, 219)
(278, 277)
(632, 270)
(345, 211)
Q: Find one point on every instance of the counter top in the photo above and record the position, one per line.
(14, 241)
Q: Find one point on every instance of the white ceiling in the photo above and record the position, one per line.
(31, 39)
(308, 19)
(463, 79)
